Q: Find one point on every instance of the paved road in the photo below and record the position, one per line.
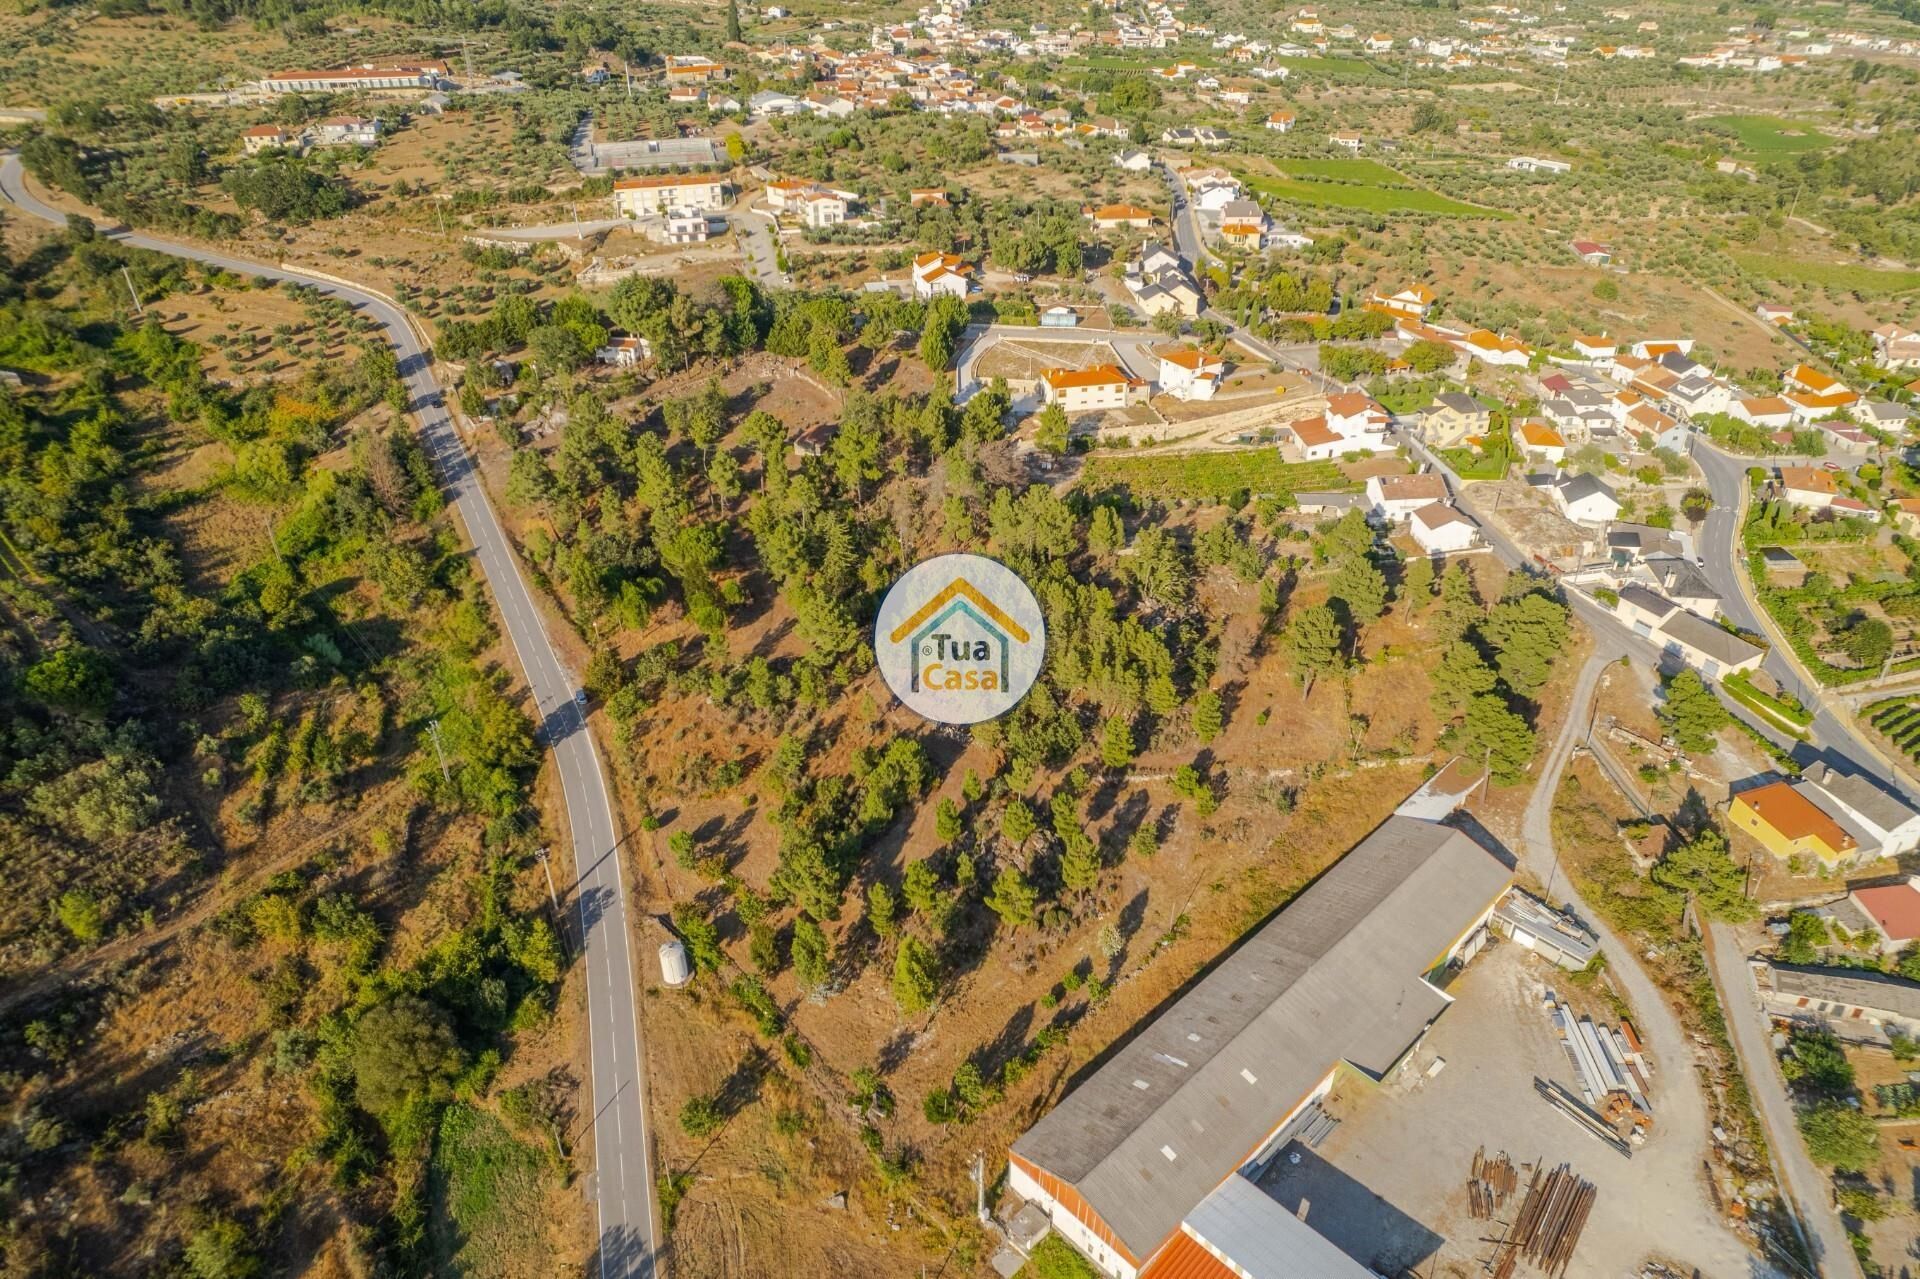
(622, 1179)
(755, 233)
(1835, 736)
(1806, 1187)
(1680, 1109)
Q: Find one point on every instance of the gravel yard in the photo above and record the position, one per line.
(1389, 1185)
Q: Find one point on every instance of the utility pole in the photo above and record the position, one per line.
(466, 54)
(576, 220)
(553, 897)
(979, 1171)
(138, 311)
(433, 731)
(272, 536)
(627, 72)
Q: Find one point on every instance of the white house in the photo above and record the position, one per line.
(1393, 498)
(1897, 348)
(824, 209)
(1188, 373)
(1352, 413)
(624, 351)
(265, 137)
(1092, 390)
(347, 131)
(1769, 412)
(688, 226)
(1807, 486)
(1280, 121)
(1133, 161)
(1585, 499)
(1532, 164)
(1439, 529)
(941, 273)
(1882, 817)
(652, 196)
(1542, 441)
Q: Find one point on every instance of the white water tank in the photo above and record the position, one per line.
(674, 969)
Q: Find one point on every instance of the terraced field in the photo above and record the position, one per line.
(1211, 476)
(1370, 196)
(1898, 720)
(1770, 135)
(1864, 281)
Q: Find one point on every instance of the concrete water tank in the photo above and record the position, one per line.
(674, 969)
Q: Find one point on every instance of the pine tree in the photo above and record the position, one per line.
(1017, 823)
(1050, 432)
(1460, 608)
(1692, 713)
(1461, 676)
(1116, 743)
(947, 825)
(1106, 534)
(916, 976)
(1207, 721)
(1312, 641)
(882, 909)
(1362, 587)
(1079, 862)
(1416, 586)
(1492, 733)
(811, 953)
(1012, 898)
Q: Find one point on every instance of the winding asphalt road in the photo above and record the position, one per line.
(622, 1182)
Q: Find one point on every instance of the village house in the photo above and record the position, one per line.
(1347, 139)
(1188, 373)
(1592, 252)
(656, 195)
(1109, 216)
(1391, 499)
(1093, 390)
(1786, 822)
(1350, 412)
(624, 350)
(1532, 164)
(1452, 417)
(426, 74)
(1585, 499)
(1280, 121)
(1242, 235)
(265, 137)
(1683, 637)
(1597, 348)
(1807, 486)
(1769, 412)
(1439, 529)
(1885, 825)
(1774, 313)
(1888, 913)
(1538, 440)
(346, 131)
(1410, 303)
(1896, 348)
(1858, 1005)
(938, 274)
(685, 68)
(1133, 161)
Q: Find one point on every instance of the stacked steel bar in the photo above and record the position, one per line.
(1489, 1183)
(1549, 1223)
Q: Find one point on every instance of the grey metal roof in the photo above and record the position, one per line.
(1341, 501)
(1644, 538)
(1543, 922)
(1647, 601)
(1575, 487)
(1336, 976)
(1241, 1221)
(1858, 792)
(1855, 987)
(1460, 402)
(1704, 637)
(1681, 579)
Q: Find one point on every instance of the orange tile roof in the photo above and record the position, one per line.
(664, 180)
(1542, 436)
(1490, 341)
(1407, 488)
(1793, 816)
(1809, 479)
(1765, 406)
(1811, 378)
(1351, 403)
(1117, 212)
(1314, 430)
(1188, 357)
(1098, 375)
(1239, 228)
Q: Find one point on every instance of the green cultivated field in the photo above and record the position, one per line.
(1771, 135)
(487, 1189)
(1864, 280)
(1345, 169)
(1332, 66)
(1379, 199)
(1217, 476)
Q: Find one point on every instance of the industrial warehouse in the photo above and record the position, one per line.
(1147, 1166)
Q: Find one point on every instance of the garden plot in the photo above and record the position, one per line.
(1022, 361)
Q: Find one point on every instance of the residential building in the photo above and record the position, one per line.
(1707, 648)
(1585, 499)
(1592, 252)
(1896, 347)
(824, 209)
(1188, 373)
(1529, 922)
(1133, 161)
(688, 226)
(1347, 139)
(936, 274)
(1774, 313)
(1133, 1165)
(1769, 412)
(424, 74)
(1452, 417)
(1599, 348)
(1808, 486)
(1889, 912)
(1393, 498)
(1410, 303)
(1350, 412)
(1684, 584)
(1280, 121)
(924, 196)
(692, 68)
(1242, 235)
(265, 137)
(1092, 390)
(624, 350)
(1542, 441)
(346, 131)
(1529, 164)
(1496, 349)
(1854, 1003)
(1883, 415)
(1440, 529)
(1883, 822)
(1699, 394)
(1789, 824)
(655, 195)
(1109, 216)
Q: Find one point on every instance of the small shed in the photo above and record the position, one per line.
(1783, 567)
(1059, 317)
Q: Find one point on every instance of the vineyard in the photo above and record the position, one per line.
(1212, 476)
(1898, 720)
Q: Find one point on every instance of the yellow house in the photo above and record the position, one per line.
(1788, 824)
